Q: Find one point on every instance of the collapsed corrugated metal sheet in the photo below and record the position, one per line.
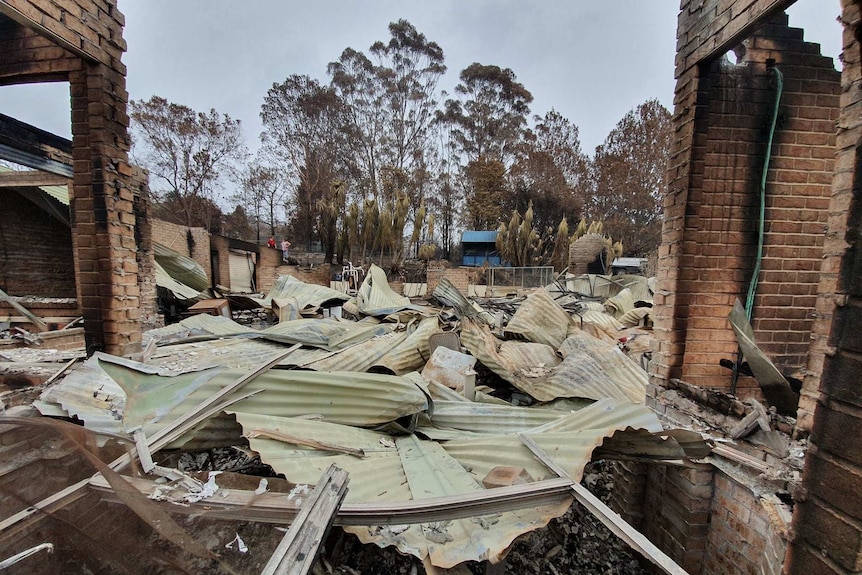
(611, 373)
(236, 353)
(641, 287)
(489, 418)
(523, 364)
(362, 356)
(201, 325)
(540, 319)
(410, 468)
(330, 333)
(183, 269)
(448, 295)
(307, 295)
(400, 470)
(375, 297)
(343, 397)
(569, 440)
(412, 352)
(634, 316)
(179, 290)
(151, 397)
(350, 398)
(606, 322)
(618, 305)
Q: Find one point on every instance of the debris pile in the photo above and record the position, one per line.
(442, 465)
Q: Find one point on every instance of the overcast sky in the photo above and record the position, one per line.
(590, 60)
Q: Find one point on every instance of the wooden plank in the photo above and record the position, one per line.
(62, 370)
(274, 507)
(41, 325)
(635, 539)
(31, 178)
(296, 552)
(739, 457)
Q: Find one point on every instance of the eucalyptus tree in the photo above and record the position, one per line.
(304, 127)
(188, 154)
(391, 104)
(629, 171)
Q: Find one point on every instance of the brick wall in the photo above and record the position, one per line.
(826, 533)
(677, 511)
(719, 239)
(35, 250)
(705, 520)
(190, 242)
(745, 537)
(460, 277)
(270, 267)
(85, 47)
(828, 520)
(150, 317)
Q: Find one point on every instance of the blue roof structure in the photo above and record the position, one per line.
(479, 237)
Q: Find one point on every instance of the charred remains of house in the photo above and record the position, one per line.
(311, 419)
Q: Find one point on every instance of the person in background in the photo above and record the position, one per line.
(270, 243)
(285, 245)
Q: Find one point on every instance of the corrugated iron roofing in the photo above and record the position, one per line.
(540, 319)
(618, 305)
(400, 470)
(447, 294)
(180, 290)
(616, 375)
(181, 268)
(307, 295)
(343, 397)
(410, 468)
(605, 321)
(362, 356)
(412, 352)
(197, 325)
(523, 364)
(489, 418)
(375, 297)
(330, 333)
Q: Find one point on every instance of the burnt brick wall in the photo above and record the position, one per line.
(35, 250)
(676, 512)
(103, 220)
(705, 520)
(745, 537)
(722, 209)
(460, 277)
(181, 238)
(827, 524)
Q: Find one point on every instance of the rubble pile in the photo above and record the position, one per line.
(432, 407)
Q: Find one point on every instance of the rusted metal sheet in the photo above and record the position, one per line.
(331, 333)
(375, 297)
(181, 268)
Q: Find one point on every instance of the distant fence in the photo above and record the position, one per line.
(526, 277)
